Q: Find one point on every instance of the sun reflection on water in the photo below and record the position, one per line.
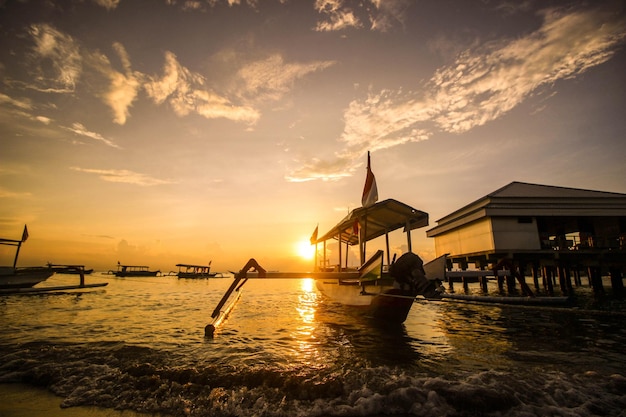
(306, 348)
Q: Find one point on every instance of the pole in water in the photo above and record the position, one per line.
(218, 314)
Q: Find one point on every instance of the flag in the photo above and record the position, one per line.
(314, 235)
(25, 234)
(370, 191)
(355, 227)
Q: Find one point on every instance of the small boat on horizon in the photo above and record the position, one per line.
(13, 277)
(195, 271)
(134, 271)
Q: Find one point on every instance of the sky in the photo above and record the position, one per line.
(160, 132)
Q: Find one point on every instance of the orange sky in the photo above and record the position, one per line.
(169, 132)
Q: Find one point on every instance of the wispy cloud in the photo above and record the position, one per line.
(23, 104)
(378, 15)
(271, 78)
(124, 176)
(4, 193)
(107, 4)
(81, 130)
(122, 88)
(56, 58)
(187, 93)
(337, 15)
(480, 86)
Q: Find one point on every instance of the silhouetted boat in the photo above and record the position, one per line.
(134, 271)
(195, 271)
(21, 277)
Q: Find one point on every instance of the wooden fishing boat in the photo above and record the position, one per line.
(134, 271)
(195, 271)
(378, 290)
(21, 277)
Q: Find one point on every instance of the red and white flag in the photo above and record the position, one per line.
(25, 234)
(370, 191)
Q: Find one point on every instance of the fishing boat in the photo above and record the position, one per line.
(21, 277)
(195, 271)
(383, 291)
(379, 291)
(134, 271)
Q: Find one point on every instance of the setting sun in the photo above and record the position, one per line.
(305, 250)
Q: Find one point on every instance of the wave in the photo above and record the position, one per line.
(122, 376)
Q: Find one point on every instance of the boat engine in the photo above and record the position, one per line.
(408, 271)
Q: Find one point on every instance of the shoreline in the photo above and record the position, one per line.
(23, 400)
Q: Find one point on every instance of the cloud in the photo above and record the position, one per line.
(24, 104)
(124, 176)
(57, 61)
(79, 129)
(4, 193)
(108, 4)
(480, 86)
(338, 16)
(380, 15)
(186, 93)
(120, 88)
(271, 78)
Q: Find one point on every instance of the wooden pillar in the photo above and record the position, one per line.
(535, 272)
(450, 280)
(510, 281)
(617, 282)
(576, 273)
(548, 275)
(560, 271)
(464, 279)
(595, 276)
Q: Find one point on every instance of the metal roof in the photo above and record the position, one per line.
(383, 217)
(524, 199)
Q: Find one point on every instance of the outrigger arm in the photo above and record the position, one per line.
(220, 313)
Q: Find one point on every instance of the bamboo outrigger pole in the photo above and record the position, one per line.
(220, 313)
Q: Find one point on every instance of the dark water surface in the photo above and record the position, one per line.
(138, 344)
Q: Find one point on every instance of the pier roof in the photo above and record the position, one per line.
(525, 199)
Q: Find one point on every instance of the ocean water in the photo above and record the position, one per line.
(138, 344)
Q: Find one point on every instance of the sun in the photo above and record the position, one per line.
(305, 250)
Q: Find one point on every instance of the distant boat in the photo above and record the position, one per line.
(134, 271)
(21, 277)
(70, 269)
(195, 271)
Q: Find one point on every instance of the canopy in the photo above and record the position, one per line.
(381, 218)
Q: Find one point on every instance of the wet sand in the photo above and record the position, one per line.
(19, 400)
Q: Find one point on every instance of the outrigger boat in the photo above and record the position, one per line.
(380, 292)
(22, 280)
(195, 271)
(21, 277)
(134, 271)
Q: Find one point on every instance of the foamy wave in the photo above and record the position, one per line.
(122, 377)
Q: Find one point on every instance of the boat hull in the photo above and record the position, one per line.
(24, 277)
(137, 274)
(196, 276)
(382, 302)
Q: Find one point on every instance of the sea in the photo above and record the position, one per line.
(137, 347)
